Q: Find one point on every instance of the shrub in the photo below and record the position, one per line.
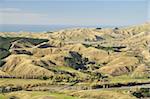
(1, 63)
(137, 94)
(44, 77)
(142, 92)
(116, 28)
(76, 60)
(13, 97)
(98, 28)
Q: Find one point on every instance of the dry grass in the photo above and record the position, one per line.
(36, 95)
(108, 62)
(120, 65)
(21, 82)
(20, 65)
(101, 94)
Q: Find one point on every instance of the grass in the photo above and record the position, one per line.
(124, 79)
(78, 94)
(117, 79)
(2, 96)
(5, 43)
(102, 94)
(36, 95)
(5, 81)
(59, 96)
(71, 70)
(127, 78)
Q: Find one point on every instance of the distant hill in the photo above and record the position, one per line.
(77, 53)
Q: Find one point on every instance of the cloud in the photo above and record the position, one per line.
(17, 16)
(69, 0)
(148, 10)
(23, 18)
(9, 10)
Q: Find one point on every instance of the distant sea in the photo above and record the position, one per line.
(40, 28)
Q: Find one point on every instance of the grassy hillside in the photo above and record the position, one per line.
(6, 42)
(35, 95)
(79, 60)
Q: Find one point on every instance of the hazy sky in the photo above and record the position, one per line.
(74, 12)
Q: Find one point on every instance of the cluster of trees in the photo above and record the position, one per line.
(142, 93)
(76, 61)
(43, 77)
(5, 89)
(6, 42)
(99, 28)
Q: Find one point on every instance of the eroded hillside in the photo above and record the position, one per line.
(77, 53)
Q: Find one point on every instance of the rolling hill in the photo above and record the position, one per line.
(108, 51)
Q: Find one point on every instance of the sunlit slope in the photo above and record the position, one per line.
(113, 52)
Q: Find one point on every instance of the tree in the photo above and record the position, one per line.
(76, 61)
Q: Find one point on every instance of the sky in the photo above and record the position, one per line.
(74, 12)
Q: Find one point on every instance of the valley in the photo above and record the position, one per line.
(78, 63)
